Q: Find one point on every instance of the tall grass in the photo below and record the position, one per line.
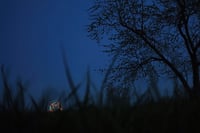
(111, 110)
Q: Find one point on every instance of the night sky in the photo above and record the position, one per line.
(31, 33)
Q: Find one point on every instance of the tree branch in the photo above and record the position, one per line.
(141, 34)
(184, 19)
(141, 64)
(185, 40)
(147, 61)
(197, 46)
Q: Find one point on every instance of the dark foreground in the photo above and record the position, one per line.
(181, 116)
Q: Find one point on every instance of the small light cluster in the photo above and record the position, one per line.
(55, 106)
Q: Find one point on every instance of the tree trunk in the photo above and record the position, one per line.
(196, 80)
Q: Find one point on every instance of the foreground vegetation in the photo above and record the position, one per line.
(104, 111)
(164, 117)
(87, 115)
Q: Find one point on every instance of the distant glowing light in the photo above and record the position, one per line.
(55, 106)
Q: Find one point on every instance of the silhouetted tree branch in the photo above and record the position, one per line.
(160, 35)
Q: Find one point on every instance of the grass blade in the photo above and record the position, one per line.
(69, 78)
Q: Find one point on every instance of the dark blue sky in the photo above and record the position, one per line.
(31, 32)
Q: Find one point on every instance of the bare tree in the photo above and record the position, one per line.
(160, 36)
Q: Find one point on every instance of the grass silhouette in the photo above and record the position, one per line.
(97, 114)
